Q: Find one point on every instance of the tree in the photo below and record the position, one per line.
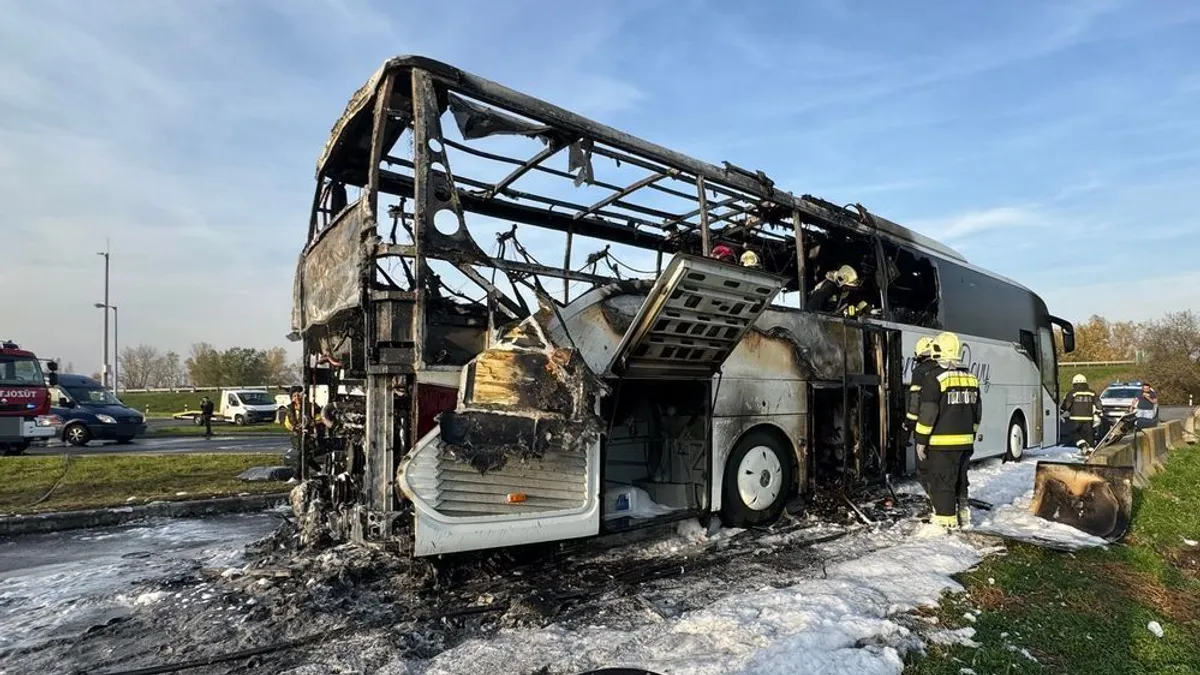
(242, 365)
(279, 371)
(170, 372)
(138, 366)
(205, 366)
(1172, 347)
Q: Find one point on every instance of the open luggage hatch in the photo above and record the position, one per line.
(693, 318)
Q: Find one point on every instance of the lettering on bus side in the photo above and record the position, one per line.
(981, 370)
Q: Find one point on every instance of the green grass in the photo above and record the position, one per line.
(167, 403)
(193, 430)
(111, 480)
(1098, 377)
(1087, 612)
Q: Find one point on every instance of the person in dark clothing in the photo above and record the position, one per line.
(950, 412)
(206, 415)
(921, 364)
(1146, 407)
(829, 294)
(1081, 407)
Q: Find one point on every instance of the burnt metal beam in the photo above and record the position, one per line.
(648, 180)
(546, 153)
(597, 228)
(503, 303)
(528, 196)
(703, 198)
(544, 270)
(645, 210)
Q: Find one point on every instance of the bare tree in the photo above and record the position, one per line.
(139, 365)
(1172, 346)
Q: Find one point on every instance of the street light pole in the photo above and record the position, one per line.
(104, 360)
(116, 353)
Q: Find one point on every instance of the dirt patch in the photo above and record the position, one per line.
(1176, 604)
(1187, 560)
(994, 599)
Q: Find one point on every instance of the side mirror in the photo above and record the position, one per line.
(52, 378)
(64, 402)
(52, 366)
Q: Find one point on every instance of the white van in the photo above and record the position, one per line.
(246, 406)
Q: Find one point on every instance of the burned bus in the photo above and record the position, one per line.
(474, 399)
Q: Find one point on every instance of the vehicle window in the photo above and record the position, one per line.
(827, 252)
(20, 370)
(56, 396)
(977, 304)
(256, 398)
(1121, 392)
(1046, 361)
(912, 287)
(93, 396)
(231, 400)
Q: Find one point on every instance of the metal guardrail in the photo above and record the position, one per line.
(186, 390)
(1086, 364)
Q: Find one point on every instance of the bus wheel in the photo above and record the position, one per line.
(758, 477)
(1016, 439)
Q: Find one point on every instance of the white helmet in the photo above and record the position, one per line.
(1079, 379)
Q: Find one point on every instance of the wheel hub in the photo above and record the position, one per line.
(759, 478)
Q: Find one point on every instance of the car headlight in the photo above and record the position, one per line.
(106, 419)
(48, 420)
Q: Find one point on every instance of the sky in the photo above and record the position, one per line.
(1055, 143)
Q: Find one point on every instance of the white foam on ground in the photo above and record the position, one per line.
(845, 623)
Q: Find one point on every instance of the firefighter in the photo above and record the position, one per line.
(299, 422)
(1080, 406)
(826, 296)
(947, 421)
(922, 362)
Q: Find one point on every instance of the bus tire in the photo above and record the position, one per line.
(757, 480)
(1017, 439)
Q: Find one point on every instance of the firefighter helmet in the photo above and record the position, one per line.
(750, 259)
(946, 347)
(1079, 379)
(844, 276)
(723, 253)
(924, 346)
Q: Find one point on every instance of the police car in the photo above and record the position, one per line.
(1120, 397)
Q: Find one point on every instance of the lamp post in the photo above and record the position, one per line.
(116, 353)
(104, 361)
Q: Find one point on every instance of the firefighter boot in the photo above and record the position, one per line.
(948, 523)
(964, 514)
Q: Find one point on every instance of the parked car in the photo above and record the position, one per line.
(83, 411)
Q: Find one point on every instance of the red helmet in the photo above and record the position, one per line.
(723, 253)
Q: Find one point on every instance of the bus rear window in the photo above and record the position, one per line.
(20, 371)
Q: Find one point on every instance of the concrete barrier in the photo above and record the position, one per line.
(40, 523)
(1146, 449)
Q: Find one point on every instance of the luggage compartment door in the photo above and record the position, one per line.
(693, 318)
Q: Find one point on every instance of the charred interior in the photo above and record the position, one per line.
(455, 222)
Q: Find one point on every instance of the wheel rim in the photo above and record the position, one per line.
(759, 478)
(75, 434)
(1016, 440)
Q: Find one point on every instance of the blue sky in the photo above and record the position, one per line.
(1053, 142)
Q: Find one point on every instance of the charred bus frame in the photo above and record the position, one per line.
(373, 341)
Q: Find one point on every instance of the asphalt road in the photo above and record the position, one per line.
(1167, 413)
(166, 445)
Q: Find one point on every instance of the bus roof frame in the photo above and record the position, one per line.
(353, 131)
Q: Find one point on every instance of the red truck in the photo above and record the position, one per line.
(24, 398)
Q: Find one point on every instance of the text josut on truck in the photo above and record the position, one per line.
(472, 400)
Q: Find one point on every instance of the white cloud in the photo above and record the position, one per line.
(965, 225)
